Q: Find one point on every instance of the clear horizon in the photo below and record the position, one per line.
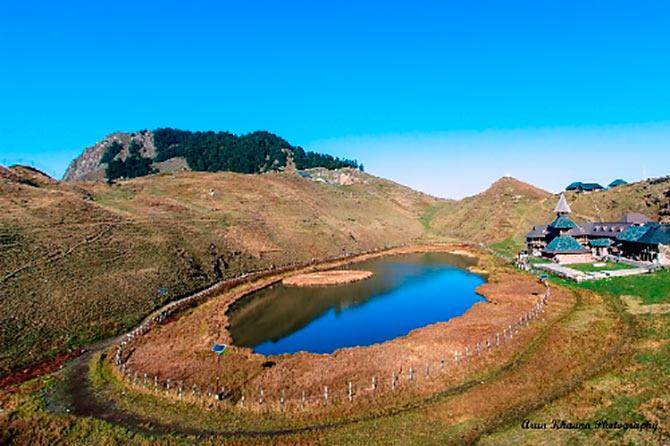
(444, 98)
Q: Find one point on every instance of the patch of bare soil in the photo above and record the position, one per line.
(181, 349)
(11, 380)
(324, 278)
(634, 306)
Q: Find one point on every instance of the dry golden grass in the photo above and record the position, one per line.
(84, 261)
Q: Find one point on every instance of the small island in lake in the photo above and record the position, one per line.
(323, 278)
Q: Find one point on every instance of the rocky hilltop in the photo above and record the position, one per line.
(136, 154)
(89, 166)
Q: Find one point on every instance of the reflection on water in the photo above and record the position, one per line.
(406, 292)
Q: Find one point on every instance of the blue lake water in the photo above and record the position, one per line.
(406, 292)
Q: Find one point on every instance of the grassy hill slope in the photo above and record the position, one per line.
(80, 261)
(506, 211)
(83, 261)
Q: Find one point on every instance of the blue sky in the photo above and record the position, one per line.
(442, 96)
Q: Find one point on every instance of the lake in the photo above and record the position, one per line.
(406, 292)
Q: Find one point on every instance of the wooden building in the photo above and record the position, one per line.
(565, 241)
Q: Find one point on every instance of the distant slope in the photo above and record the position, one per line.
(136, 154)
(504, 210)
(650, 197)
(85, 260)
(508, 209)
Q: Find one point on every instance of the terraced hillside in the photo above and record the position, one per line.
(81, 261)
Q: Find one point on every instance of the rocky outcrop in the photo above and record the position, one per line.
(88, 165)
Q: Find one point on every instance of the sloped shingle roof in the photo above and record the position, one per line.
(634, 218)
(578, 185)
(617, 182)
(562, 206)
(603, 229)
(657, 234)
(632, 233)
(538, 231)
(600, 242)
(562, 222)
(591, 186)
(564, 244)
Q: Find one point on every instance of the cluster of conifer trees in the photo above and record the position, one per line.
(135, 165)
(219, 151)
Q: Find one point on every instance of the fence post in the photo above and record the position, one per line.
(392, 380)
(374, 385)
(351, 394)
(411, 375)
(302, 401)
(325, 394)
